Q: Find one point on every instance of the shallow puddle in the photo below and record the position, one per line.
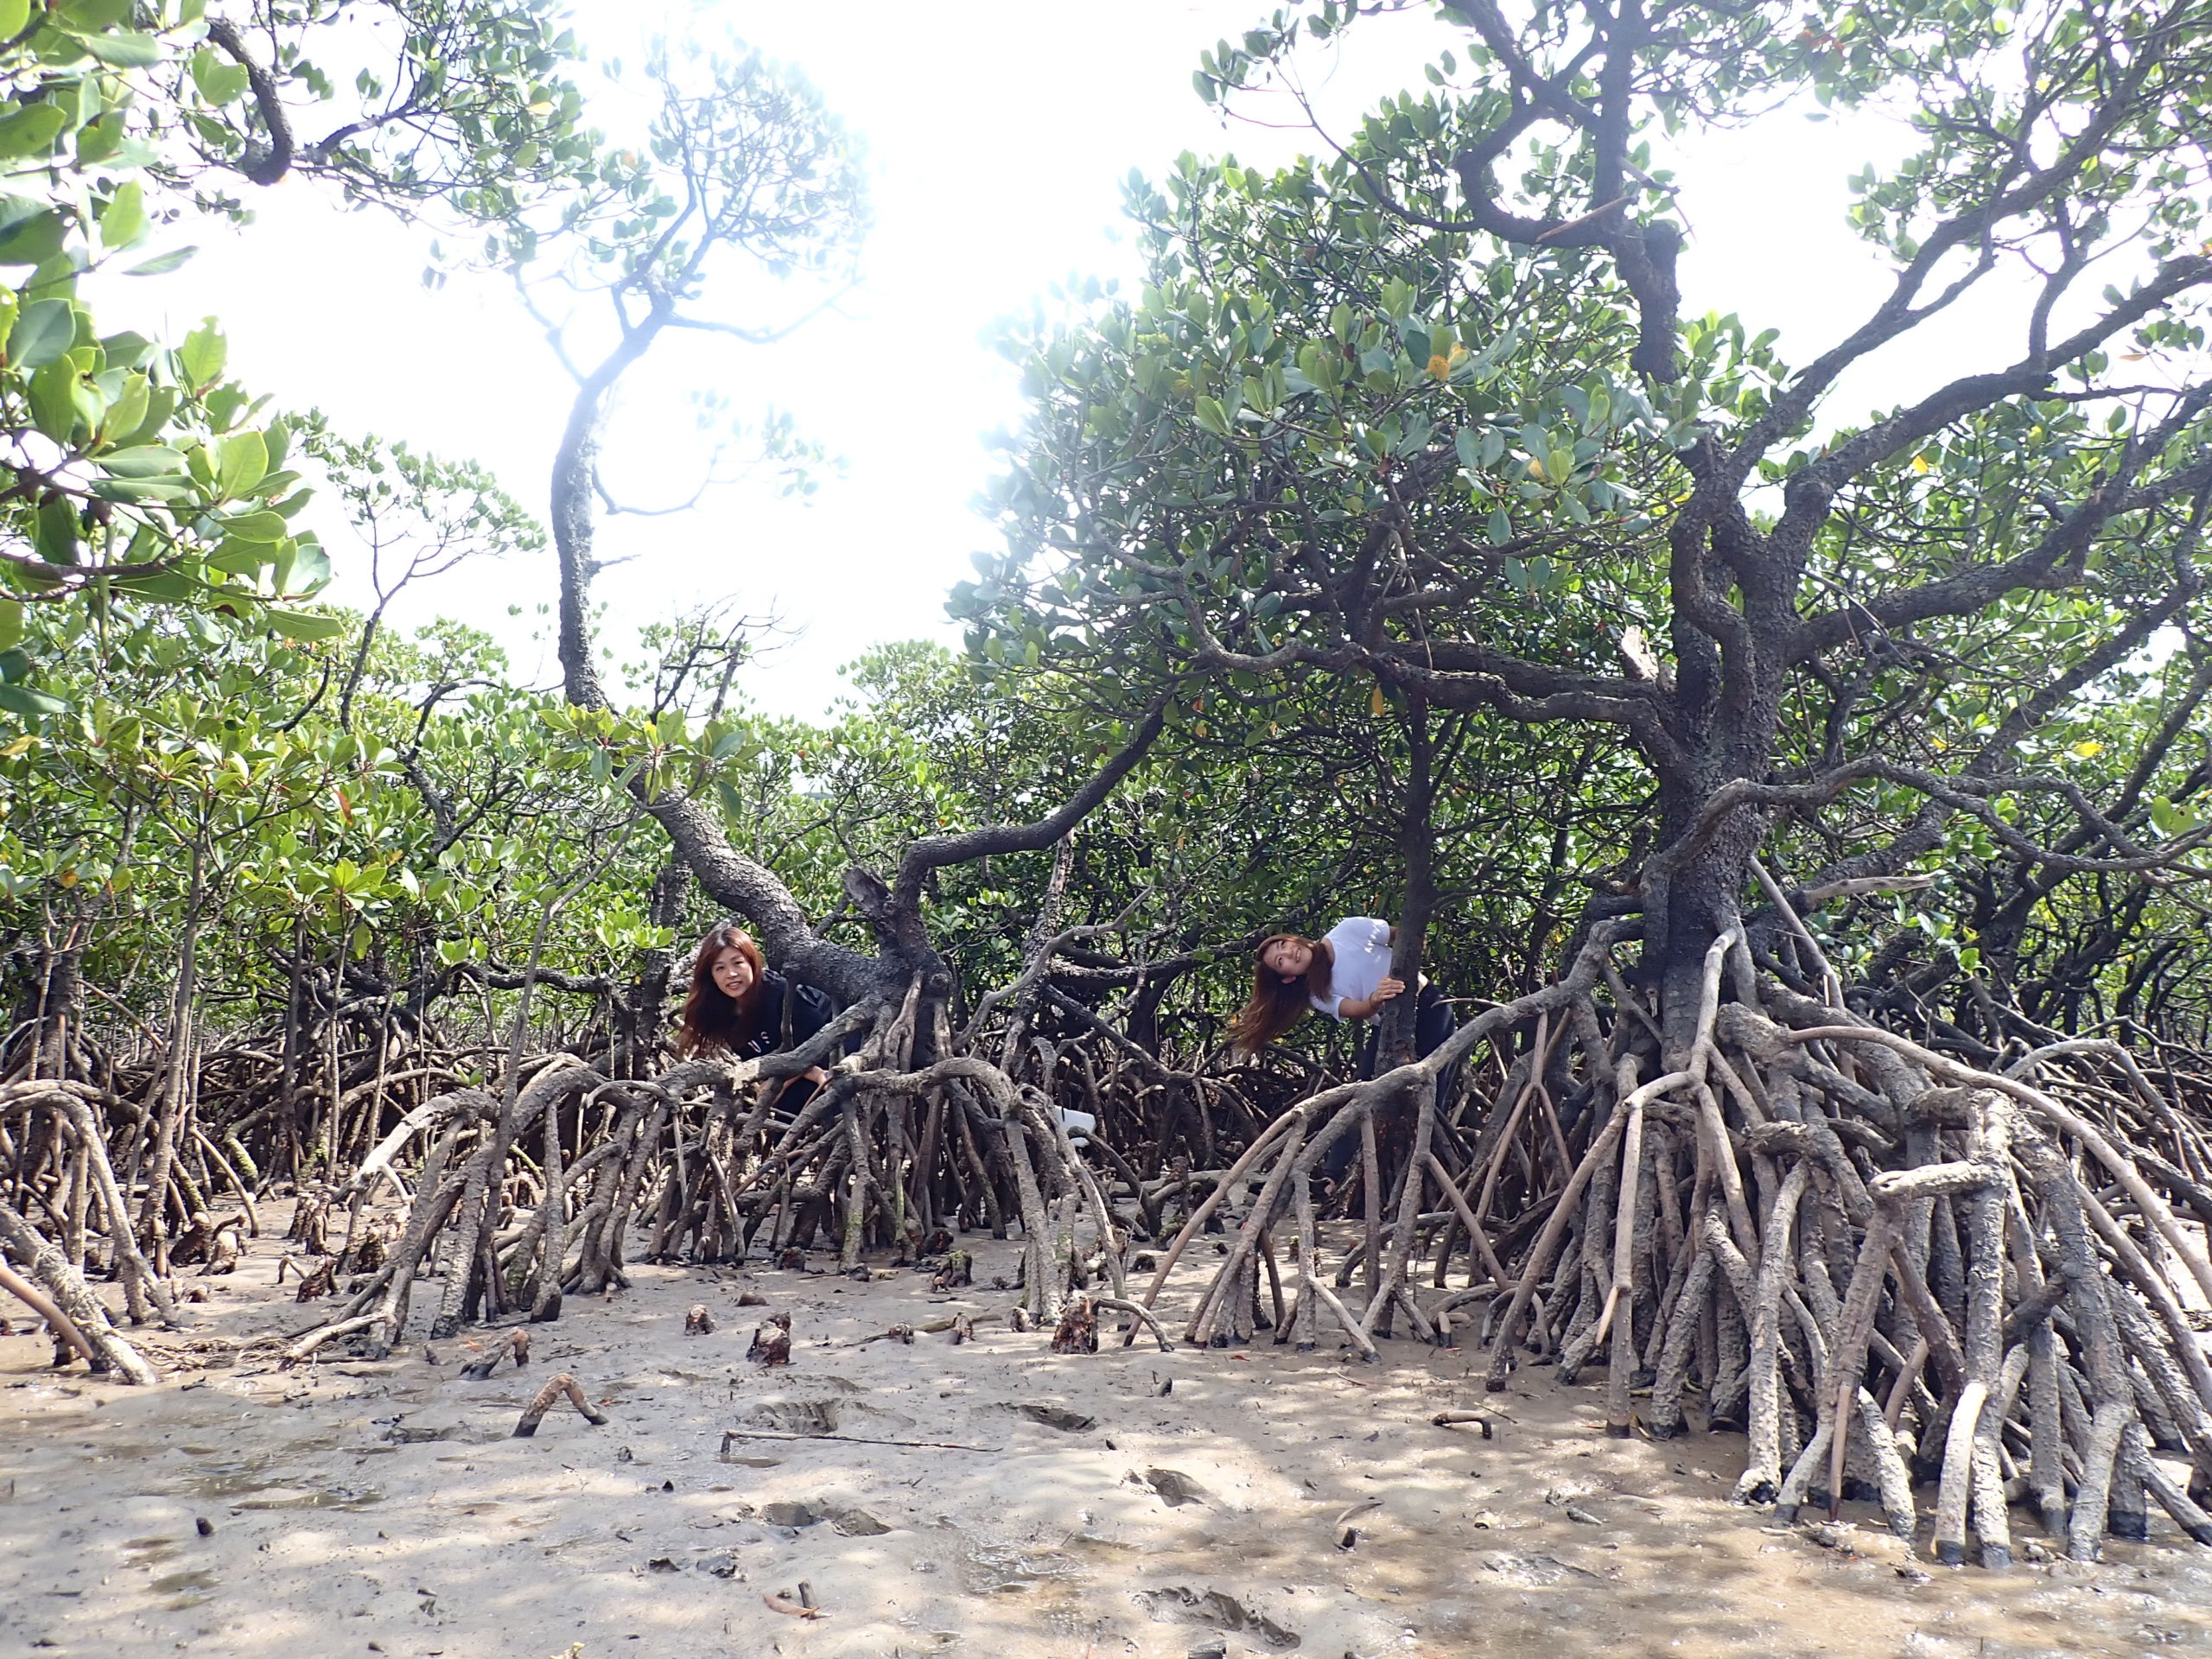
(334, 1497)
(990, 1569)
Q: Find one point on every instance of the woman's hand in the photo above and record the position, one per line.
(817, 1076)
(1363, 1008)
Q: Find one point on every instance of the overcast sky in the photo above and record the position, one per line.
(997, 133)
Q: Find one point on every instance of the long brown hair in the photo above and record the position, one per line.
(1278, 1004)
(713, 1022)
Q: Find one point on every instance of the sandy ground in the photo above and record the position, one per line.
(354, 1508)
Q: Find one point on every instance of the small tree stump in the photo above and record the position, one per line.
(311, 1220)
(319, 1282)
(698, 1322)
(369, 1251)
(771, 1342)
(959, 1269)
(1079, 1328)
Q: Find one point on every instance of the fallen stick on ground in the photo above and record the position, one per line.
(937, 1325)
(730, 1435)
(793, 1608)
(1447, 1419)
(1116, 1305)
(554, 1388)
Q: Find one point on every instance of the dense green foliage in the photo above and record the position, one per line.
(1338, 399)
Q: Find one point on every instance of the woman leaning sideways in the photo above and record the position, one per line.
(1345, 975)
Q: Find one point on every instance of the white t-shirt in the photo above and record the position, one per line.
(1363, 948)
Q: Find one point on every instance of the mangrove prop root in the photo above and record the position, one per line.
(1886, 1261)
(1912, 1266)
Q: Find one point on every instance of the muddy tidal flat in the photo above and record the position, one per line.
(1236, 1502)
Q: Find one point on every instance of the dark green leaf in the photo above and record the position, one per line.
(44, 330)
(22, 700)
(30, 131)
(33, 240)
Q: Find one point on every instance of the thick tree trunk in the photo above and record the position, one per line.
(1417, 853)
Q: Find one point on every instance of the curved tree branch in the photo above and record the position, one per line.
(264, 165)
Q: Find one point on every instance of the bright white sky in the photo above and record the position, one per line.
(998, 131)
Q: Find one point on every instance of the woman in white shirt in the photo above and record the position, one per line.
(1345, 975)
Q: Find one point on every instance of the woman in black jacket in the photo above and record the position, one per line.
(739, 1008)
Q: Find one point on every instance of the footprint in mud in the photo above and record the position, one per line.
(1175, 1487)
(794, 1416)
(1060, 1417)
(1218, 1608)
(1531, 1570)
(312, 1498)
(222, 1480)
(187, 1589)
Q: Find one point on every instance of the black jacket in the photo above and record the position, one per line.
(788, 1014)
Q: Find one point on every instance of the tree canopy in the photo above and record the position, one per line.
(1421, 415)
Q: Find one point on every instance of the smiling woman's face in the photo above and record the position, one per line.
(733, 973)
(1288, 958)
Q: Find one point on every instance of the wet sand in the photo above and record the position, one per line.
(361, 1508)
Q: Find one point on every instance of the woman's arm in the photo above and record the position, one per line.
(1363, 1008)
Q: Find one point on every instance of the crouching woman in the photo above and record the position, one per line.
(741, 1009)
